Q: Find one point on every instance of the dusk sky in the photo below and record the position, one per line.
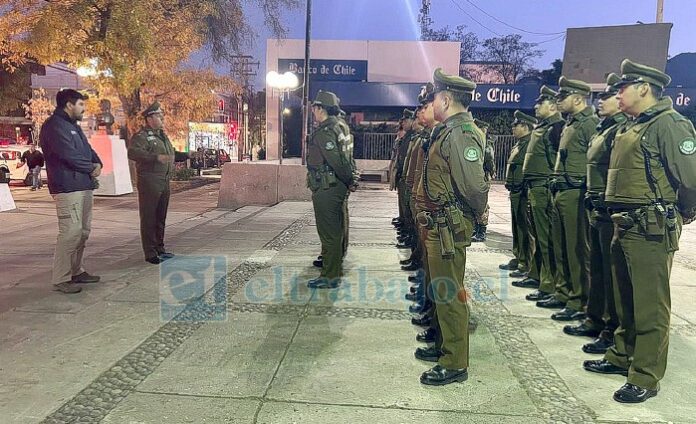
(398, 20)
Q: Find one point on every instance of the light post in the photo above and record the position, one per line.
(247, 148)
(282, 84)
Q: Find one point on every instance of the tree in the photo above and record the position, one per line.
(548, 76)
(15, 90)
(469, 41)
(510, 56)
(38, 109)
(138, 48)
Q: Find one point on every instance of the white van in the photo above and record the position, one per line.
(10, 156)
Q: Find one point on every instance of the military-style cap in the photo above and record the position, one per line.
(326, 99)
(632, 73)
(483, 125)
(442, 82)
(408, 114)
(545, 93)
(611, 89)
(427, 93)
(569, 86)
(152, 109)
(523, 118)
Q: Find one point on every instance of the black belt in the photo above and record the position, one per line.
(537, 183)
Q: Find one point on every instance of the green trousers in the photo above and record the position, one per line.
(641, 267)
(401, 195)
(534, 254)
(542, 215)
(520, 230)
(346, 224)
(451, 307)
(572, 249)
(153, 202)
(601, 310)
(329, 214)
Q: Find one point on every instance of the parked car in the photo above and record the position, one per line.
(10, 156)
(209, 158)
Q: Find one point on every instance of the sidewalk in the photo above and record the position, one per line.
(282, 353)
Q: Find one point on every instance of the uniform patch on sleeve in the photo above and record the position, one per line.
(330, 145)
(688, 146)
(471, 154)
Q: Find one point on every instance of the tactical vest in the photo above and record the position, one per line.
(627, 178)
(540, 155)
(598, 154)
(575, 163)
(437, 179)
(513, 174)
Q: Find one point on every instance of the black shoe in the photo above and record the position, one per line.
(518, 274)
(324, 283)
(413, 266)
(630, 393)
(527, 283)
(538, 296)
(67, 287)
(166, 255)
(396, 221)
(419, 307)
(429, 354)
(411, 297)
(85, 278)
(602, 366)
(510, 266)
(479, 234)
(550, 303)
(567, 314)
(405, 261)
(155, 260)
(426, 336)
(414, 278)
(439, 376)
(582, 330)
(407, 245)
(421, 321)
(414, 288)
(600, 345)
(319, 263)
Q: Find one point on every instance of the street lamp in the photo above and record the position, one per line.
(283, 84)
(247, 148)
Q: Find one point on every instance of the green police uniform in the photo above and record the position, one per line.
(153, 179)
(401, 153)
(489, 173)
(514, 182)
(329, 176)
(569, 185)
(601, 310)
(456, 192)
(651, 184)
(536, 169)
(347, 142)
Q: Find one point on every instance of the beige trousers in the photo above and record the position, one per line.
(74, 212)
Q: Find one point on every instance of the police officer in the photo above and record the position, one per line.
(569, 185)
(329, 176)
(154, 158)
(405, 239)
(536, 169)
(489, 172)
(651, 188)
(522, 128)
(456, 192)
(410, 166)
(600, 299)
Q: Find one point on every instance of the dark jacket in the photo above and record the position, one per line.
(32, 159)
(69, 158)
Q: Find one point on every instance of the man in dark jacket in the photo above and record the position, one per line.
(72, 167)
(35, 161)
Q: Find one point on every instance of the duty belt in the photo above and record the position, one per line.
(541, 182)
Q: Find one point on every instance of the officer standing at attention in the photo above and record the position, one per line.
(405, 239)
(651, 188)
(456, 193)
(489, 172)
(329, 176)
(569, 186)
(154, 158)
(600, 299)
(536, 169)
(522, 128)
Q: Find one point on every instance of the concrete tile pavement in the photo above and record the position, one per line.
(286, 354)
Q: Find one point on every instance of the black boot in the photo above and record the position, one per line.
(480, 234)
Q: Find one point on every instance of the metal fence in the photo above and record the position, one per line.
(502, 144)
(375, 146)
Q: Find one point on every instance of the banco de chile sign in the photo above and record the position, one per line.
(326, 70)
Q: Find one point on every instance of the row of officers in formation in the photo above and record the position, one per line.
(597, 205)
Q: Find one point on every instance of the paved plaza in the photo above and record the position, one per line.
(259, 347)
